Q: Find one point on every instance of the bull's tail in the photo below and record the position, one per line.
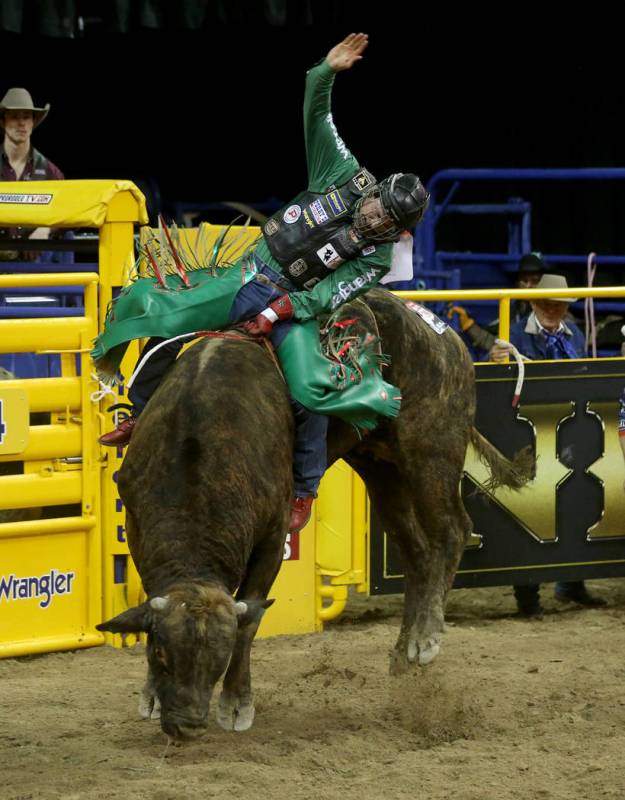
(514, 474)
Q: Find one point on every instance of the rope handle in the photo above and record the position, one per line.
(520, 364)
(195, 335)
(104, 390)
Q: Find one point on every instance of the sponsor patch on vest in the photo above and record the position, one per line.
(271, 227)
(311, 282)
(319, 212)
(292, 214)
(329, 256)
(361, 180)
(307, 219)
(366, 251)
(337, 206)
(429, 317)
(26, 199)
(297, 267)
(42, 586)
(347, 288)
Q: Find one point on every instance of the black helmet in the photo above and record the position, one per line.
(403, 201)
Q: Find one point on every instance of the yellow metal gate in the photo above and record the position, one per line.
(50, 565)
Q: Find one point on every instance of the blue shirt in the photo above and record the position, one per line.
(533, 342)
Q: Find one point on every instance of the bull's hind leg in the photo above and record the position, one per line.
(235, 709)
(431, 557)
(424, 516)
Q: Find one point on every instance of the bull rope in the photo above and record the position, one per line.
(207, 335)
(589, 307)
(103, 391)
(521, 365)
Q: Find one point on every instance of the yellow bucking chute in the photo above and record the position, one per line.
(170, 250)
(86, 204)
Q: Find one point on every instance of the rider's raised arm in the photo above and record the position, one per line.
(345, 283)
(329, 161)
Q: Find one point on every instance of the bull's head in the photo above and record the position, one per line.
(191, 634)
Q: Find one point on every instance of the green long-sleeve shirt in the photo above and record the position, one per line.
(330, 164)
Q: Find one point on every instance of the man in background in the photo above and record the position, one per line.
(539, 336)
(531, 269)
(19, 161)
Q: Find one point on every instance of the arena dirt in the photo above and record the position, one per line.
(511, 709)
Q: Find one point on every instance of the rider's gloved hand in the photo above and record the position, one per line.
(278, 311)
(262, 323)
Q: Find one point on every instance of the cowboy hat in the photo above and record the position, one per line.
(555, 282)
(532, 262)
(20, 100)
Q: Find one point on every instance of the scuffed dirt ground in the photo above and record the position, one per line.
(511, 709)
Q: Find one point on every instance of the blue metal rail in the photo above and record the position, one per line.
(40, 268)
(443, 188)
(33, 312)
(62, 301)
(55, 290)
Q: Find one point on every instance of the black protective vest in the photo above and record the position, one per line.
(313, 235)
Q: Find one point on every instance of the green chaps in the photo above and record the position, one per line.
(323, 386)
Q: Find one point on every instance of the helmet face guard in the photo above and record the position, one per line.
(396, 204)
(372, 221)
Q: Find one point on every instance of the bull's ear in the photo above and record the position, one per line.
(134, 620)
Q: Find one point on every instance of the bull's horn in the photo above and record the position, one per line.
(240, 608)
(159, 603)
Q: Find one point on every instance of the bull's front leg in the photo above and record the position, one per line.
(235, 709)
(149, 704)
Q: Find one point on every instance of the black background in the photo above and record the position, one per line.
(216, 113)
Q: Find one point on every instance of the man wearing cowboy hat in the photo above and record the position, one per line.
(531, 269)
(19, 161)
(544, 335)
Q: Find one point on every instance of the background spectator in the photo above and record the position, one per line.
(543, 335)
(19, 161)
(531, 269)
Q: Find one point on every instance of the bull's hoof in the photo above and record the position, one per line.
(399, 664)
(424, 653)
(232, 715)
(414, 653)
(149, 706)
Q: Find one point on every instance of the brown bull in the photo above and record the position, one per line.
(207, 484)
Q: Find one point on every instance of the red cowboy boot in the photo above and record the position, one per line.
(300, 513)
(121, 435)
